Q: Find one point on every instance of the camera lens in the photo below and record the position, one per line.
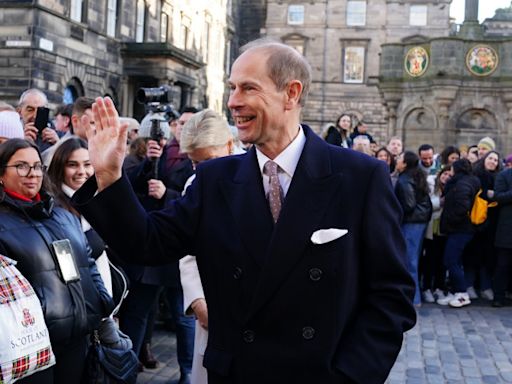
(161, 94)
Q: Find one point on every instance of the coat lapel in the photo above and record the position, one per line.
(309, 196)
(249, 207)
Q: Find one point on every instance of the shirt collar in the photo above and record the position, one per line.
(289, 158)
(68, 191)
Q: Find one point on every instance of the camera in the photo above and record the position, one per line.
(161, 95)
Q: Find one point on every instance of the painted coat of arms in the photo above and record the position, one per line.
(482, 60)
(416, 61)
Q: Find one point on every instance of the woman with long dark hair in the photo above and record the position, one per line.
(431, 265)
(479, 260)
(338, 134)
(413, 194)
(52, 253)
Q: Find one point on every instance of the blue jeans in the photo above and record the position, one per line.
(136, 312)
(413, 234)
(185, 329)
(455, 244)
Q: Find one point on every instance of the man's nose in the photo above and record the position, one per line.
(234, 100)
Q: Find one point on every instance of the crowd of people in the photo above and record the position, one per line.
(42, 168)
(40, 172)
(451, 259)
(66, 185)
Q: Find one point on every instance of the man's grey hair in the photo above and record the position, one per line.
(204, 129)
(284, 64)
(32, 91)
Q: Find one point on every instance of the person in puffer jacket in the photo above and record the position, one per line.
(459, 195)
(53, 254)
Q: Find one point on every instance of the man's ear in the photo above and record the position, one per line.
(74, 120)
(293, 93)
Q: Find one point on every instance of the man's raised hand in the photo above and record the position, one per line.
(107, 141)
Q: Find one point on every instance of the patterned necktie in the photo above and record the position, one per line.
(275, 192)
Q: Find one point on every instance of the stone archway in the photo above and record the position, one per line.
(473, 124)
(419, 127)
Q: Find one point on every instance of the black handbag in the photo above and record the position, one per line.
(106, 365)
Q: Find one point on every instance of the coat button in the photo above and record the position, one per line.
(315, 274)
(237, 274)
(248, 336)
(308, 333)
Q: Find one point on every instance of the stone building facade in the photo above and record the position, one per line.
(342, 40)
(462, 90)
(70, 48)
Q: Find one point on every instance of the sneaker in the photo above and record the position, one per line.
(472, 293)
(428, 297)
(439, 294)
(446, 299)
(461, 299)
(487, 294)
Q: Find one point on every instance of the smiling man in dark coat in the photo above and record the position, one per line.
(311, 289)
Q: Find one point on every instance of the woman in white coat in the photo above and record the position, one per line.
(205, 136)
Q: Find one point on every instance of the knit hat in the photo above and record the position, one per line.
(508, 159)
(487, 143)
(10, 125)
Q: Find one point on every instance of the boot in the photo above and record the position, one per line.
(146, 357)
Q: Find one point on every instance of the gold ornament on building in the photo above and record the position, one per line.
(482, 60)
(416, 61)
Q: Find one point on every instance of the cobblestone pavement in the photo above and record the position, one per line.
(466, 345)
(470, 345)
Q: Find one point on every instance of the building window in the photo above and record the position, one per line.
(353, 65)
(295, 14)
(164, 27)
(141, 16)
(77, 10)
(418, 15)
(70, 95)
(296, 43)
(206, 40)
(111, 18)
(356, 13)
(185, 33)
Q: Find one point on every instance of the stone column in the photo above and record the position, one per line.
(471, 12)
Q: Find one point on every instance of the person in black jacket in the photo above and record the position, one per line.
(479, 259)
(413, 194)
(138, 313)
(503, 240)
(459, 194)
(338, 134)
(74, 299)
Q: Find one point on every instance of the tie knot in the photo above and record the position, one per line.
(270, 168)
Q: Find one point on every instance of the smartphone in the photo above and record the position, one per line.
(41, 121)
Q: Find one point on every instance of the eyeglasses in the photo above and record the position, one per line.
(23, 169)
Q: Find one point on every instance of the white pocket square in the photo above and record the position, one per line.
(323, 236)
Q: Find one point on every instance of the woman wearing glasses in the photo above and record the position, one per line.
(52, 253)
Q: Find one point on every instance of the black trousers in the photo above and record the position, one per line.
(502, 272)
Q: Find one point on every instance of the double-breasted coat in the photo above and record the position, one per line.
(282, 309)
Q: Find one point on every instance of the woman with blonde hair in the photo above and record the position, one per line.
(204, 137)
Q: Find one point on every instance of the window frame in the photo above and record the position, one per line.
(111, 28)
(352, 18)
(293, 9)
(425, 15)
(354, 47)
(140, 22)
